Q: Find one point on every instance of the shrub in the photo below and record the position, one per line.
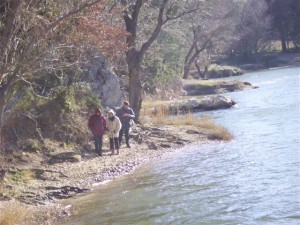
(162, 80)
(23, 176)
(27, 175)
(216, 71)
(62, 116)
(93, 101)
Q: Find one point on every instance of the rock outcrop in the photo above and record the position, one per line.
(214, 87)
(104, 82)
(212, 102)
(206, 103)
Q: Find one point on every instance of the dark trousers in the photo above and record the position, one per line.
(126, 131)
(113, 143)
(98, 143)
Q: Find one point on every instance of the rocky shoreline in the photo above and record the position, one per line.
(55, 181)
(64, 179)
(68, 171)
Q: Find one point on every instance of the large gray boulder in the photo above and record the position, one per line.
(208, 87)
(216, 102)
(211, 102)
(104, 83)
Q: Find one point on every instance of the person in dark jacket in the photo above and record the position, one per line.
(126, 116)
(97, 125)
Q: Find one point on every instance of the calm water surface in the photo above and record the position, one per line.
(254, 179)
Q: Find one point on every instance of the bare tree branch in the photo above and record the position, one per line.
(56, 23)
(160, 23)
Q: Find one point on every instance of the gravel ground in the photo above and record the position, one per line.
(66, 179)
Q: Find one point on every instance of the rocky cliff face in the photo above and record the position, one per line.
(104, 82)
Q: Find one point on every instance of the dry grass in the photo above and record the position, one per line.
(15, 214)
(219, 133)
(27, 175)
(19, 177)
(161, 117)
(16, 183)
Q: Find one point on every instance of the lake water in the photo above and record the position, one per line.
(254, 179)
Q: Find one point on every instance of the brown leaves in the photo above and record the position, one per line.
(100, 29)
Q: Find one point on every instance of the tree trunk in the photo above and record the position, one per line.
(4, 89)
(189, 61)
(134, 61)
(2, 106)
(202, 75)
(186, 71)
(283, 45)
(135, 91)
(283, 40)
(186, 68)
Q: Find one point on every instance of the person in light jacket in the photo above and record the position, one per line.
(114, 127)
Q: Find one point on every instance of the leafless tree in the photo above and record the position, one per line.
(206, 32)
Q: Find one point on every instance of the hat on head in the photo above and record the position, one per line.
(97, 110)
(111, 111)
(126, 103)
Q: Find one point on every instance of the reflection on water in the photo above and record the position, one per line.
(253, 179)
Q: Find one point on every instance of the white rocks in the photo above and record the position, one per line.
(104, 82)
(216, 102)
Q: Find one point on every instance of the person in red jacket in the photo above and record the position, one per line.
(97, 125)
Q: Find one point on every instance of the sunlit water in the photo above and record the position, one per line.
(254, 179)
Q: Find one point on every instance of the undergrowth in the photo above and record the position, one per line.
(61, 117)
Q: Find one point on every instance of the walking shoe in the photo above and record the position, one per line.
(128, 146)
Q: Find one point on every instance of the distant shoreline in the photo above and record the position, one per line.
(280, 60)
